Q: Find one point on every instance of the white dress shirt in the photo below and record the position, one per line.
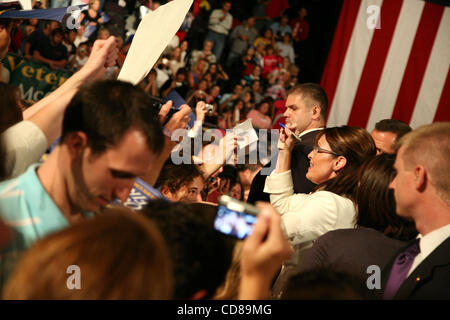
(428, 243)
(309, 130)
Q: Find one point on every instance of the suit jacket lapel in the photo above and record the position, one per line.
(439, 257)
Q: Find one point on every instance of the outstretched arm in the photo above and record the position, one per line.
(26, 141)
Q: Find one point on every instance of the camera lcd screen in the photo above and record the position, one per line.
(234, 223)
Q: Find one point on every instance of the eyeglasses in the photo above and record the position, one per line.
(321, 150)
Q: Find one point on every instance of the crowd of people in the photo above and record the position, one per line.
(255, 51)
(89, 178)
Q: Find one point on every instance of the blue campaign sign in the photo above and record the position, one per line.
(56, 14)
(177, 102)
(141, 194)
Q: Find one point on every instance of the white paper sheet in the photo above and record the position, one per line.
(152, 36)
(246, 133)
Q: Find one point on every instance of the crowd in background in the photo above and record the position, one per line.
(77, 164)
(242, 65)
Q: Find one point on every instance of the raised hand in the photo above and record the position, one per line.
(103, 55)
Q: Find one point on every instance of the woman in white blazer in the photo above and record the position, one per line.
(337, 154)
(334, 162)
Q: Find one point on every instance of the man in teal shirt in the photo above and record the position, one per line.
(110, 136)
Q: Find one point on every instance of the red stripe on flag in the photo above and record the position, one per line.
(341, 41)
(417, 62)
(443, 109)
(373, 67)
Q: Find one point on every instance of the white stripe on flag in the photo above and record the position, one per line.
(353, 66)
(435, 75)
(396, 61)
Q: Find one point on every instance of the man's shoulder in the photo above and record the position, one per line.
(14, 205)
(10, 186)
(13, 191)
(26, 207)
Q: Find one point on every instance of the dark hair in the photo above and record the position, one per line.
(182, 70)
(57, 31)
(68, 31)
(10, 112)
(105, 110)
(176, 176)
(252, 95)
(269, 102)
(229, 172)
(47, 23)
(375, 201)
(200, 255)
(313, 94)
(213, 64)
(84, 43)
(238, 182)
(323, 284)
(356, 145)
(395, 126)
(5, 22)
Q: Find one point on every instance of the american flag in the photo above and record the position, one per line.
(389, 59)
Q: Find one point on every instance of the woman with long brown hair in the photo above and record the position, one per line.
(334, 163)
(10, 108)
(337, 154)
(379, 233)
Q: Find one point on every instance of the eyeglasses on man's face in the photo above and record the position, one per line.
(321, 150)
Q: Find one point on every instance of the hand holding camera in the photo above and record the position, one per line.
(263, 253)
(235, 218)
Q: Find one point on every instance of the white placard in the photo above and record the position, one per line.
(153, 35)
(246, 133)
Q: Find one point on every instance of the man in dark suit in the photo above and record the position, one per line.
(422, 193)
(306, 110)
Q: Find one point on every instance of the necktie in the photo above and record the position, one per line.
(400, 269)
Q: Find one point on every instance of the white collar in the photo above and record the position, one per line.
(433, 239)
(309, 130)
